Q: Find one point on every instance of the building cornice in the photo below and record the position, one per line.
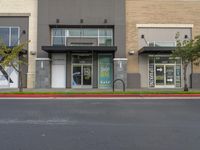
(15, 14)
(164, 25)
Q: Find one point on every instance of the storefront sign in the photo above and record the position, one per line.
(105, 71)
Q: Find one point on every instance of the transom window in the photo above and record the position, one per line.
(82, 36)
(9, 35)
(162, 44)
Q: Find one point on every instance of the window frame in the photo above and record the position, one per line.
(83, 36)
(10, 34)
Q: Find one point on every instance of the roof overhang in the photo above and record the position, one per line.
(64, 49)
(156, 50)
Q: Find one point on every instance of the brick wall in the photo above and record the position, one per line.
(158, 12)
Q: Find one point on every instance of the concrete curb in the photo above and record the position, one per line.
(95, 95)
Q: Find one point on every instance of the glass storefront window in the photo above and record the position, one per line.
(83, 59)
(75, 32)
(104, 36)
(58, 40)
(14, 36)
(90, 32)
(104, 41)
(4, 35)
(105, 71)
(58, 32)
(9, 35)
(178, 75)
(164, 71)
(106, 32)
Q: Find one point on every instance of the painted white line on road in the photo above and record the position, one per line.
(38, 122)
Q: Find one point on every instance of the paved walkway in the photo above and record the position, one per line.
(91, 90)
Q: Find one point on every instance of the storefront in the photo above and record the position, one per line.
(81, 57)
(164, 72)
(81, 70)
(158, 69)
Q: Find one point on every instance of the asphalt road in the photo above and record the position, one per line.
(99, 124)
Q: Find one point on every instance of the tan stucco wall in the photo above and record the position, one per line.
(158, 12)
(24, 8)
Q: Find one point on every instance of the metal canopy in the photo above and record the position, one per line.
(156, 50)
(63, 49)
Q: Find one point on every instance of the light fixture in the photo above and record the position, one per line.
(81, 21)
(24, 32)
(105, 21)
(33, 52)
(57, 20)
(131, 52)
(186, 36)
(142, 36)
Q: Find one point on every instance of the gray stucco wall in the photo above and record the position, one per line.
(23, 23)
(71, 11)
(133, 80)
(43, 74)
(195, 80)
(68, 69)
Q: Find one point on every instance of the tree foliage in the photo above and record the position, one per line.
(189, 51)
(14, 57)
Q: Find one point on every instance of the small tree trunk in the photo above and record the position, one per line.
(185, 77)
(20, 80)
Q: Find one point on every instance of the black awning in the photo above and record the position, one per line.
(63, 49)
(156, 50)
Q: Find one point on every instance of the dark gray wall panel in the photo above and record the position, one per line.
(195, 80)
(133, 80)
(43, 77)
(71, 11)
(95, 70)
(69, 70)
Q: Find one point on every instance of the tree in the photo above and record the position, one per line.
(189, 52)
(14, 57)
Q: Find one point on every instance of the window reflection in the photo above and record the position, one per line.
(9, 35)
(61, 36)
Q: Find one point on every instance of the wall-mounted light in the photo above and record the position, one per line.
(33, 52)
(81, 21)
(24, 32)
(142, 36)
(131, 52)
(57, 20)
(105, 21)
(186, 36)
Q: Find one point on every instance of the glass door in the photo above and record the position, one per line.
(165, 76)
(82, 76)
(169, 69)
(87, 75)
(77, 76)
(160, 75)
(82, 70)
